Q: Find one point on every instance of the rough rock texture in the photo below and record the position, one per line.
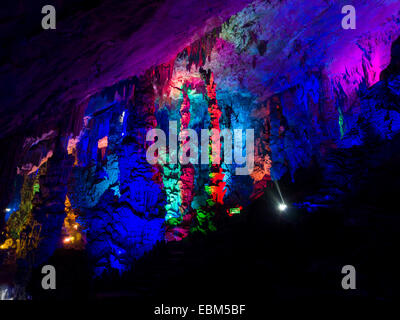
(305, 66)
(314, 94)
(93, 47)
(50, 75)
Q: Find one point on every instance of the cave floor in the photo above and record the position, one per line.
(290, 256)
(262, 254)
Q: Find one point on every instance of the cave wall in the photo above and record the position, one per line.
(310, 91)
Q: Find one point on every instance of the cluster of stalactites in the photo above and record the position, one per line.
(162, 76)
(199, 51)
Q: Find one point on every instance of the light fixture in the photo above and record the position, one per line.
(282, 206)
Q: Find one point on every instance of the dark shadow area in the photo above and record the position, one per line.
(72, 277)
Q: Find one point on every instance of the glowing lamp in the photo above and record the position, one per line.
(233, 211)
(102, 143)
(282, 207)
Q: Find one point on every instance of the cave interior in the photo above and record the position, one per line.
(77, 189)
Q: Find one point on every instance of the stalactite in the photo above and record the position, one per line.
(187, 174)
(143, 116)
(186, 180)
(216, 186)
(171, 176)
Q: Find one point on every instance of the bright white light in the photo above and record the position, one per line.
(282, 207)
(8, 209)
(121, 117)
